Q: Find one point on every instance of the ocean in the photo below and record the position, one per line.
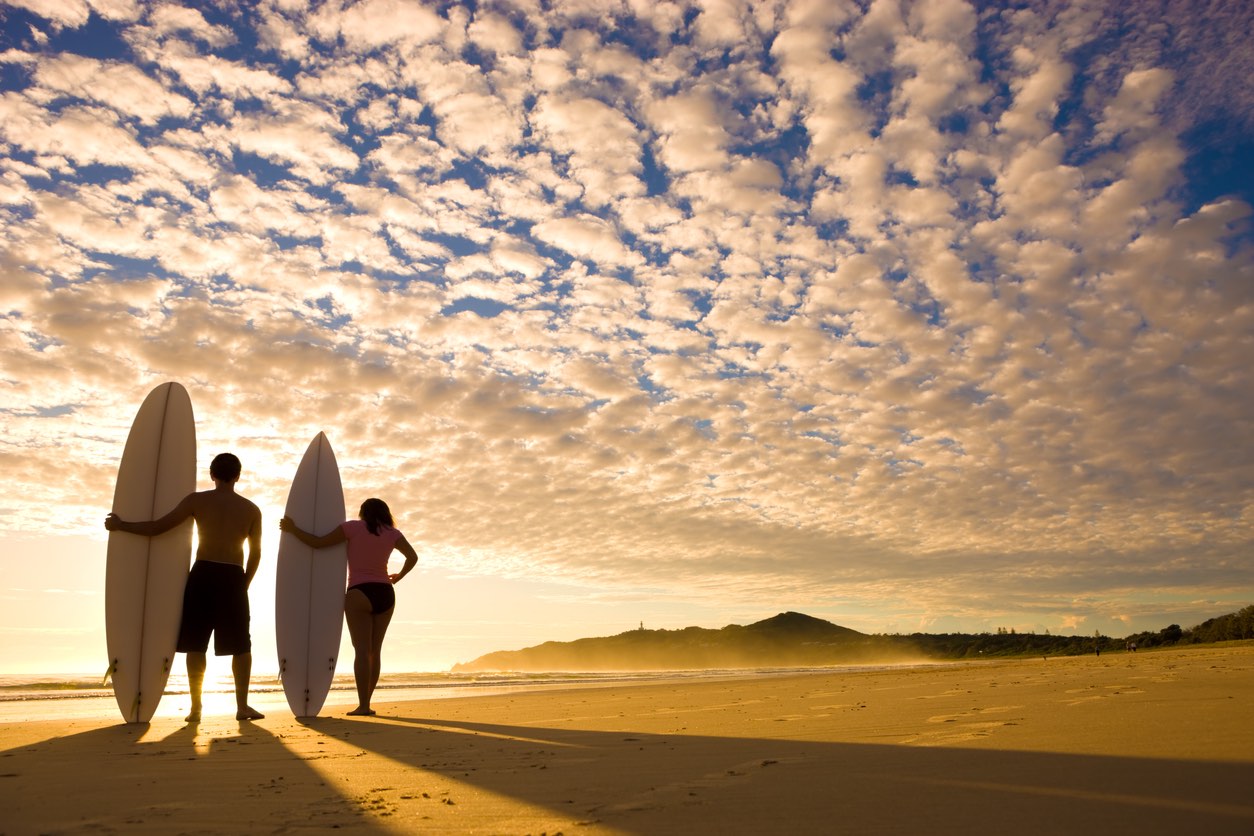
(29, 697)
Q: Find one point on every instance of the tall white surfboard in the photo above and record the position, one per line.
(145, 576)
(309, 584)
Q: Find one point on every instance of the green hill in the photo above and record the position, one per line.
(792, 639)
(788, 639)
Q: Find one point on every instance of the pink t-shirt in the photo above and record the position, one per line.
(368, 553)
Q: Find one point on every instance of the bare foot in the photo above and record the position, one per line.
(194, 717)
(249, 713)
(362, 711)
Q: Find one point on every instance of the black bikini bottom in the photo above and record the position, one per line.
(381, 595)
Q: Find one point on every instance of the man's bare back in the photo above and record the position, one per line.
(224, 522)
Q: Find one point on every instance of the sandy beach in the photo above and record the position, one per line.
(1144, 743)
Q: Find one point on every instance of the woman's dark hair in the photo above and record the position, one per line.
(375, 513)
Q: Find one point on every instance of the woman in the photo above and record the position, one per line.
(370, 599)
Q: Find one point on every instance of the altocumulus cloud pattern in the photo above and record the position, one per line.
(904, 307)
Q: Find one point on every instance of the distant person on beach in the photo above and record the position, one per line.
(215, 599)
(370, 599)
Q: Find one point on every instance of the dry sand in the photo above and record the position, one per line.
(1139, 743)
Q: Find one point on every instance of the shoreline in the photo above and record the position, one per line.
(28, 698)
(1151, 742)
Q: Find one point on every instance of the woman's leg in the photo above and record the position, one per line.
(379, 629)
(360, 620)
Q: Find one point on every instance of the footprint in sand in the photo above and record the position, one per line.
(1091, 694)
(974, 712)
(964, 730)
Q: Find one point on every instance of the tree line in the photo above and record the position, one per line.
(1231, 627)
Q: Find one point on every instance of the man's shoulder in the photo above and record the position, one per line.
(233, 499)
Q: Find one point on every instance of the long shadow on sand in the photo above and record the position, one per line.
(647, 783)
(128, 778)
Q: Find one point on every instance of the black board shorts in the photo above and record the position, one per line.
(215, 601)
(382, 596)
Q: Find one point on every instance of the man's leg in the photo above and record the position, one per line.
(195, 681)
(242, 668)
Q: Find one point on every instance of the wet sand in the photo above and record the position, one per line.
(1144, 743)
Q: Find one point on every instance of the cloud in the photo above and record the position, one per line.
(205, 74)
(691, 133)
(1133, 108)
(85, 135)
(302, 135)
(169, 19)
(587, 237)
(75, 13)
(914, 303)
(124, 88)
(472, 117)
(495, 33)
(372, 24)
(602, 144)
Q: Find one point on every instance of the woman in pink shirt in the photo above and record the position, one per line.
(370, 599)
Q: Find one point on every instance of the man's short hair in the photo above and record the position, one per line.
(225, 467)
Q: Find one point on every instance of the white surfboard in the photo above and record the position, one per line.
(309, 586)
(145, 576)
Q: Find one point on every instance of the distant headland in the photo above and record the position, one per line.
(793, 639)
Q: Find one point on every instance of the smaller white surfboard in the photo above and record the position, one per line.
(145, 576)
(309, 584)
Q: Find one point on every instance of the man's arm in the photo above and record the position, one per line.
(151, 528)
(254, 547)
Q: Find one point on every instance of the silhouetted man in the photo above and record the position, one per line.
(216, 597)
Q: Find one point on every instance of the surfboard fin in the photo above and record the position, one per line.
(109, 673)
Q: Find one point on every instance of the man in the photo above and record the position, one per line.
(216, 598)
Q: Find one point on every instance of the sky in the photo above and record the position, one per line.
(930, 316)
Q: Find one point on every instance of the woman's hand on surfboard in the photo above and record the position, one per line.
(289, 525)
(333, 537)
